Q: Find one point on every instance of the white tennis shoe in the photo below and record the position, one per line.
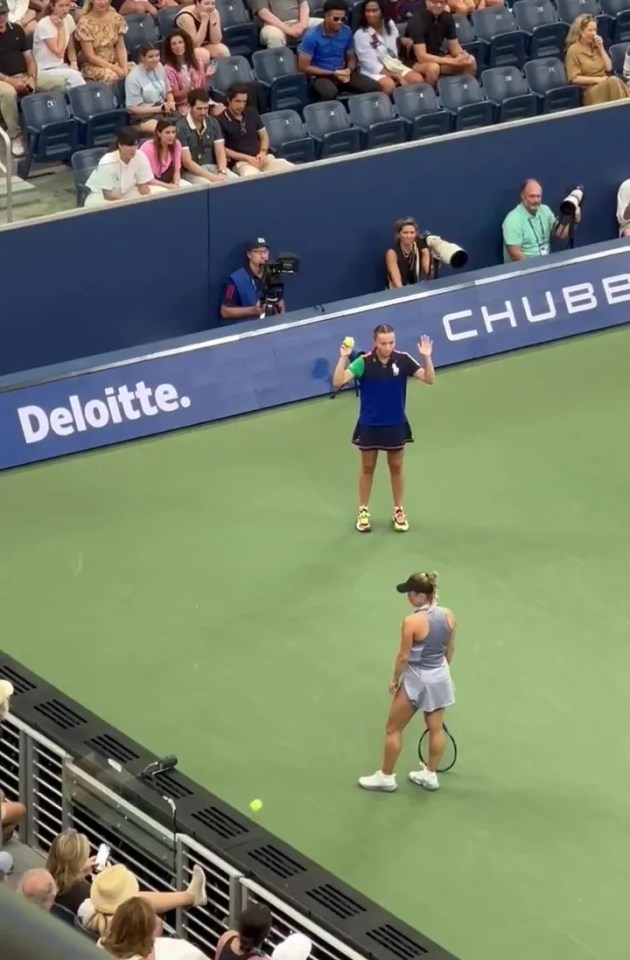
(386, 783)
(425, 778)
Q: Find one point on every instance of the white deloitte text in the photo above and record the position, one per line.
(543, 307)
(118, 405)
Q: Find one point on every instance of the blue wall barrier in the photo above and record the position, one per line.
(257, 369)
(106, 280)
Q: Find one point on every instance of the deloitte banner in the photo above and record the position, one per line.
(251, 371)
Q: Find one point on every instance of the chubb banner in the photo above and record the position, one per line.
(237, 375)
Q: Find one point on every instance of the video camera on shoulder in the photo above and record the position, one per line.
(284, 265)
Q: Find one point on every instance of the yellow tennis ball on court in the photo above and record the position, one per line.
(256, 806)
(348, 342)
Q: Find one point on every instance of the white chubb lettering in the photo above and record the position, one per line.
(490, 319)
(449, 318)
(116, 405)
(537, 317)
(579, 298)
(617, 289)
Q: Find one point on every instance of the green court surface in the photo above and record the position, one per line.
(206, 593)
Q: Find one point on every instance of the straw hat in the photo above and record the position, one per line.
(111, 887)
(6, 691)
(297, 946)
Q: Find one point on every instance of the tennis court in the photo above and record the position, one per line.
(206, 593)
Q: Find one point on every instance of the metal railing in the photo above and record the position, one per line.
(8, 169)
(59, 795)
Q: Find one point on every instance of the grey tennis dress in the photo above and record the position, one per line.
(427, 677)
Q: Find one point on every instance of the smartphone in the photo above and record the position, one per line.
(102, 857)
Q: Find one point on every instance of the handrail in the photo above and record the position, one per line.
(8, 167)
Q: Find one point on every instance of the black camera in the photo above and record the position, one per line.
(272, 293)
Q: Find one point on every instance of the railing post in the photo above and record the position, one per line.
(8, 166)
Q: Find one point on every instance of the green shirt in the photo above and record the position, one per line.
(529, 231)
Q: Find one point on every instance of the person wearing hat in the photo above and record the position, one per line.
(18, 76)
(421, 681)
(243, 293)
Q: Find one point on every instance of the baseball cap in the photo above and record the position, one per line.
(256, 244)
(416, 583)
(4, 7)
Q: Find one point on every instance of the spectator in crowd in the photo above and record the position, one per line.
(326, 55)
(588, 65)
(38, 887)
(184, 69)
(297, 946)
(243, 292)
(53, 43)
(148, 95)
(11, 815)
(131, 933)
(70, 865)
(530, 227)
(23, 13)
(6, 865)
(409, 260)
(283, 20)
(101, 33)
(435, 45)
(376, 46)
(164, 153)
(122, 174)
(18, 77)
(202, 21)
(116, 884)
(254, 927)
(204, 156)
(466, 7)
(246, 140)
(623, 209)
(6, 692)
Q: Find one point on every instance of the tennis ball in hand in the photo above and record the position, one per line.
(348, 342)
(256, 806)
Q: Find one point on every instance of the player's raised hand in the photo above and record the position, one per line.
(425, 346)
(344, 351)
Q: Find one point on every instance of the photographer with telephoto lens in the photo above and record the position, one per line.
(530, 227)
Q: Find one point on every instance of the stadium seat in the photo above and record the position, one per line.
(277, 72)
(548, 80)
(463, 98)
(316, 8)
(498, 28)
(329, 126)
(545, 33)
(287, 136)
(617, 54)
(418, 107)
(95, 109)
(467, 39)
(507, 90)
(240, 34)
(374, 115)
(618, 12)
(84, 162)
(166, 19)
(231, 70)
(568, 10)
(141, 28)
(53, 135)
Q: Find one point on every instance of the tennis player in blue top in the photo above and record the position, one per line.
(382, 425)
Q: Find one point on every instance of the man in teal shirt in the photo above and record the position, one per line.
(530, 227)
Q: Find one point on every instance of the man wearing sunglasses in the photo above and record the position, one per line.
(326, 55)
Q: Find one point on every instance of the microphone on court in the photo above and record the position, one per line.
(162, 765)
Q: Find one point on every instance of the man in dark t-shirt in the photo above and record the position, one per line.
(435, 43)
(246, 140)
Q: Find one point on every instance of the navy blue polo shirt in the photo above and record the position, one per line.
(383, 388)
(243, 289)
(327, 50)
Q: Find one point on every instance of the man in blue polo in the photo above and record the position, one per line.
(243, 293)
(326, 55)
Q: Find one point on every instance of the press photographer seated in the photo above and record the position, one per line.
(244, 293)
(409, 260)
(530, 227)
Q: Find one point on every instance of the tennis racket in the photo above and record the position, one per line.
(449, 757)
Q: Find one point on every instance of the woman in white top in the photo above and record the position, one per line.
(123, 174)
(376, 48)
(53, 41)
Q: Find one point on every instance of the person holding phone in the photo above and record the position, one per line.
(148, 95)
(71, 865)
(588, 65)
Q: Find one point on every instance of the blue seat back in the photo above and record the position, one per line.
(141, 28)
(283, 126)
(457, 92)
(41, 109)
(232, 12)
(530, 14)
(465, 32)
(91, 99)
(367, 109)
(231, 70)
(570, 9)
(326, 117)
(493, 21)
(166, 19)
(84, 162)
(617, 55)
(614, 7)
(501, 83)
(415, 100)
(545, 75)
(273, 63)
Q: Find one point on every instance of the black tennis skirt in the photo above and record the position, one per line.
(382, 438)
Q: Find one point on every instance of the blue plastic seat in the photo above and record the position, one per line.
(568, 10)
(374, 115)
(231, 70)
(240, 34)
(98, 115)
(545, 32)
(52, 134)
(166, 18)
(141, 28)
(618, 12)
(329, 126)
(507, 90)
(548, 80)
(463, 98)
(469, 41)
(617, 55)
(276, 71)
(287, 136)
(418, 107)
(506, 43)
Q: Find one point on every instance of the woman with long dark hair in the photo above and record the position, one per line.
(184, 69)
(409, 260)
(376, 43)
(164, 153)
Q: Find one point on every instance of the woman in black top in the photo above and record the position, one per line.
(253, 929)
(409, 260)
(70, 864)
